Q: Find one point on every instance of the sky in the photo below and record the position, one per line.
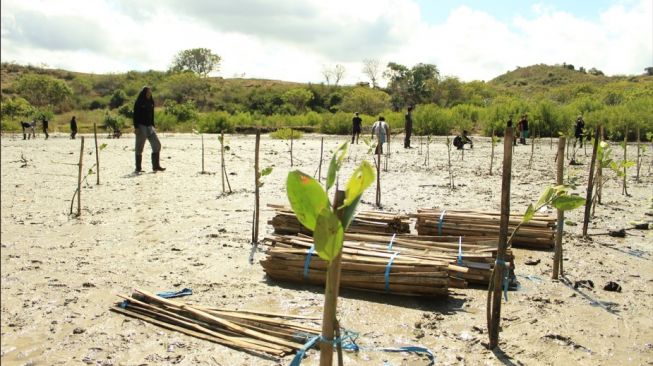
(296, 40)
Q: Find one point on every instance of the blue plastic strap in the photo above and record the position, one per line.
(460, 250)
(506, 277)
(387, 272)
(415, 349)
(171, 294)
(440, 222)
(297, 360)
(307, 262)
(124, 304)
(392, 241)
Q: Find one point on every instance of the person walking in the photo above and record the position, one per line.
(73, 128)
(45, 127)
(356, 126)
(381, 130)
(32, 127)
(523, 129)
(25, 126)
(144, 129)
(408, 127)
(578, 130)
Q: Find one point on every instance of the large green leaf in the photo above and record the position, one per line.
(307, 198)
(349, 212)
(528, 215)
(336, 163)
(567, 203)
(545, 197)
(266, 171)
(362, 177)
(328, 235)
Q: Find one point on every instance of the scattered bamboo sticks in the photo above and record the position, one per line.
(537, 233)
(258, 332)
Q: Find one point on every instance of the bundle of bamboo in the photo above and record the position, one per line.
(469, 262)
(285, 222)
(538, 233)
(257, 332)
(293, 259)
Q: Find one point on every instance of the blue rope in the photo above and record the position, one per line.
(392, 241)
(387, 272)
(171, 294)
(307, 262)
(460, 250)
(506, 277)
(415, 349)
(297, 360)
(440, 222)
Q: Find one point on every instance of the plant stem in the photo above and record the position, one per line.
(97, 154)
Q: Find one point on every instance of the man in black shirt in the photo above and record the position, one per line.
(408, 127)
(356, 127)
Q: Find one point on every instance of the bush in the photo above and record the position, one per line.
(215, 122)
(338, 123)
(96, 104)
(286, 133)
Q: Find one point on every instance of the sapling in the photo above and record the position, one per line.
(311, 205)
(427, 156)
(223, 169)
(625, 176)
(81, 179)
(451, 182)
(494, 142)
(604, 160)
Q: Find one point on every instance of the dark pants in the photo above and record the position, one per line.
(409, 132)
(354, 135)
(45, 131)
(72, 134)
(146, 133)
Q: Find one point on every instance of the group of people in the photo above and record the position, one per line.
(29, 128)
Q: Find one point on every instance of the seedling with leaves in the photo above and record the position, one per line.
(605, 161)
(81, 179)
(328, 221)
(223, 169)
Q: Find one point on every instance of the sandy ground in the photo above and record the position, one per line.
(167, 231)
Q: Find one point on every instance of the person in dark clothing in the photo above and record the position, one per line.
(144, 129)
(460, 141)
(73, 128)
(25, 126)
(523, 129)
(356, 123)
(408, 127)
(578, 130)
(45, 127)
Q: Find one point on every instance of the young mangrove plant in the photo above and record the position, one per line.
(328, 222)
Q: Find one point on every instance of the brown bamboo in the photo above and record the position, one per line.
(79, 179)
(257, 177)
(222, 169)
(590, 183)
(557, 257)
(97, 155)
(202, 153)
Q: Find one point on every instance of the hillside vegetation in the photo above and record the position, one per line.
(552, 96)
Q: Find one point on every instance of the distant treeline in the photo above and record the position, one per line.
(552, 96)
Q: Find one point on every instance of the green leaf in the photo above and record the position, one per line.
(349, 212)
(328, 235)
(90, 171)
(266, 171)
(545, 197)
(306, 197)
(567, 203)
(362, 177)
(628, 164)
(336, 163)
(103, 146)
(528, 215)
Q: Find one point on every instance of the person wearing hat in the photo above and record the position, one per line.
(578, 130)
(356, 123)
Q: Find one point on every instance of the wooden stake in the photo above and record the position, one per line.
(530, 161)
(222, 169)
(492, 154)
(319, 167)
(97, 154)
(639, 160)
(331, 295)
(202, 153)
(291, 143)
(257, 176)
(599, 170)
(590, 183)
(625, 186)
(378, 177)
(494, 293)
(79, 179)
(557, 257)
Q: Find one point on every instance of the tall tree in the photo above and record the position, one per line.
(201, 61)
(371, 69)
(338, 73)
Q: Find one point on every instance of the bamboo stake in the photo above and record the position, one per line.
(625, 186)
(257, 176)
(202, 135)
(291, 143)
(79, 179)
(97, 155)
(557, 257)
(492, 154)
(378, 177)
(590, 184)
(222, 169)
(530, 161)
(331, 291)
(451, 183)
(494, 295)
(599, 169)
(639, 160)
(319, 167)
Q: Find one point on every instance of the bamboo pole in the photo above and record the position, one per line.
(599, 171)
(222, 169)
(79, 179)
(625, 184)
(97, 154)
(257, 176)
(639, 162)
(494, 295)
(530, 161)
(319, 167)
(378, 176)
(557, 257)
(331, 292)
(590, 183)
(451, 183)
(492, 153)
(202, 153)
(291, 144)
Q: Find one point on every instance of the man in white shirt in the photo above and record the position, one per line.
(381, 130)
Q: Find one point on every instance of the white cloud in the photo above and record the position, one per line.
(290, 41)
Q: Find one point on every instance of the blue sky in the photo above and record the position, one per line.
(297, 40)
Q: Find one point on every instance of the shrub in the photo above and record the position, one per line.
(285, 133)
(215, 122)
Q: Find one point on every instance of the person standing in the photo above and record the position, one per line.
(32, 127)
(578, 130)
(144, 129)
(25, 126)
(45, 127)
(460, 141)
(73, 128)
(356, 123)
(381, 130)
(523, 129)
(408, 127)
